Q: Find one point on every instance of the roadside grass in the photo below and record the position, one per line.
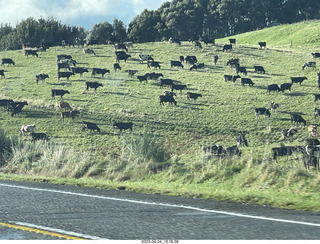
(163, 153)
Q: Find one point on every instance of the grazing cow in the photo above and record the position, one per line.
(5, 103)
(7, 61)
(241, 140)
(90, 126)
(153, 64)
(94, 85)
(59, 92)
(41, 77)
(69, 114)
(274, 106)
(297, 118)
(232, 41)
(63, 66)
(89, 51)
(166, 82)
(262, 111)
(176, 64)
(233, 63)
(215, 150)
(64, 75)
(98, 71)
(315, 55)
(242, 70)
(285, 86)
(169, 93)
(312, 130)
(116, 67)
(194, 96)
(316, 112)
(145, 57)
(227, 47)
(70, 62)
(233, 151)
(282, 151)
(79, 70)
(262, 44)
(215, 59)
(288, 132)
(273, 87)
(131, 72)
(165, 99)
(18, 107)
(27, 128)
(64, 105)
(39, 136)
(63, 56)
(155, 76)
(121, 55)
(259, 69)
(311, 155)
(309, 64)
(2, 73)
(197, 66)
(143, 78)
(178, 87)
(123, 126)
(181, 59)
(30, 52)
(298, 79)
(316, 97)
(191, 60)
(232, 78)
(246, 81)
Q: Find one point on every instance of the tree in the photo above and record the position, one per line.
(101, 33)
(119, 30)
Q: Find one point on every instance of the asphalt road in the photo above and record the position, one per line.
(44, 211)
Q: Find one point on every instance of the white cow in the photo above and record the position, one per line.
(27, 128)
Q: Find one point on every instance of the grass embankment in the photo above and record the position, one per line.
(163, 154)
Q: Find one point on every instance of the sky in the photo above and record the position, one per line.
(83, 13)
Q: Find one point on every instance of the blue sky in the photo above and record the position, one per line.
(84, 13)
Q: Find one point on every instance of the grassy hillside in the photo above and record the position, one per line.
(163, 154)
(297, 34)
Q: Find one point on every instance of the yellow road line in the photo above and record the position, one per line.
(44, 232)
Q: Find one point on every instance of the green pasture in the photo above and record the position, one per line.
(179, 131)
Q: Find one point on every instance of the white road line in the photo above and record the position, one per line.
(166, 205)
(69, 233)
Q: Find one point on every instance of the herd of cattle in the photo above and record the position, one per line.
(310, 151)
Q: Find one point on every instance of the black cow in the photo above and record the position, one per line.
(273, 87)
(39, 136)
(191, 60)
(316, 97)
(7, 61)
(120, 46)
(315, 55)
(166, 82)
(58, 92)
(232, 41)
(90, 126)
(316, 112)
(262, 44)
(121, 55)
(176, 64)
(63, 56)
(167, 99)
(98, 71)
(116, 67)
(285, 86)
(131, 72)
(227, 47)
(241, 140)
(153, 64)
(259, 69)
(123, 125)
(5, 103)
(297, 118)
(194, 96)
(41, 77)
(79, 70)
(262, 111)
(155, 76)
(282, 151)
(233, 151)
(18, 107)
(143, 78)
(64, 75)
(63, 66)
(94, 85)
(178, 87)
(242, 70)
(245, 81)
(309, 64)
(298, 79)
(2, 73)
(197, 66)
(30, 52)
(233, 63)
(215, 59)
(232, 78)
